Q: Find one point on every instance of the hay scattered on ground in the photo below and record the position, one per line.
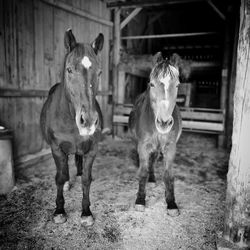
(200, 182)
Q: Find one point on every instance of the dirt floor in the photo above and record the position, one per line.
(200, 181)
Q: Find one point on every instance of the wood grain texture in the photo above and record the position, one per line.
(237, 218)
(32, 52)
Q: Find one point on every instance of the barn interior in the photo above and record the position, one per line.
(204, 36)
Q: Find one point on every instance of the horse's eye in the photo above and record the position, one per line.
(151, 85)
(69, 70)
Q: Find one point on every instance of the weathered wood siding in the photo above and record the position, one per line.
(237, 216)
(31, 56)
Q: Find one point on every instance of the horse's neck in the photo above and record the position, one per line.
(145, 104)
(63, 103)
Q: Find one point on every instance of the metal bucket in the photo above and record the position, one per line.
(7, 179)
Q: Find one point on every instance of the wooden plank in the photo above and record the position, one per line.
(130, 17)
(168, 35)
(116, 53)
(148, 3)
(29, 159)
(35, 93)
(202, 116)
(78, 12)
(39, 49)
(120, 119)
(215, 8)
(25, 43)
(134, 70)
(22, 93)
(120, 109)
(2, 46)
(10, 43)
(48, 56)
(203, 125)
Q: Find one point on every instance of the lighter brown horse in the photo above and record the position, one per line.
(155, 124)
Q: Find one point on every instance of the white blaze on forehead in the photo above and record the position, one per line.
(86, 62)
(166, 81)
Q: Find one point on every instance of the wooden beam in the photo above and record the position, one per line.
(200, 125)
(130, 17)
(116, 58)
(225, 74)
(7, 93)
(215, 8)
(148, 3)
(134, 70)
(23, 93)
(77, 12)
(169, 35)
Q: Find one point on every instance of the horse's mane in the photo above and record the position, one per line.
(162, 69)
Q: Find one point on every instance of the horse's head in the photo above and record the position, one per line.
(81, 77)
(163, 87)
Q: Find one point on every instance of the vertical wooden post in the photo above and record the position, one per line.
(224, 78)
(237, 215)
(232, 80)
(116, 56)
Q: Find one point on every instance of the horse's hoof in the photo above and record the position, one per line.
(66, 186)
(173, 212)
(87, 220)
(59, 218)
(139, 207)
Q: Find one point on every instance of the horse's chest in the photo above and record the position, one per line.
(76, 147)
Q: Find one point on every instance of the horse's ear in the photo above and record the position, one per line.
(184, 66)
(69, 40)
(157, 58)
(175, 60)
(97, 44)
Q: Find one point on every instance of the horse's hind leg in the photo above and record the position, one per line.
(62, 175)
(86, 217)
(169, 154)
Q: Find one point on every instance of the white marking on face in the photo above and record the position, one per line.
(166, 81)
(87, 131)
(86, 62)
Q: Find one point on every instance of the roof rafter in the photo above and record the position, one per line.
(147, 3)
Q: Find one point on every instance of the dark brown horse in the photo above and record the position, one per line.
(155, 124)
(71, 119)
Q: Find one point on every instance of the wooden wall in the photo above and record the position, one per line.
(31, 57)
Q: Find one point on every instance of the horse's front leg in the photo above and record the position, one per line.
(169, 154)
(87, 217)
(62, 176)
(144, 157)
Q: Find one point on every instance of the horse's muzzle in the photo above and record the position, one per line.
(164, 127)
(85, 125)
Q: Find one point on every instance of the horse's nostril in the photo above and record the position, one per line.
(82, 121)
(96, 121)
(166, 123)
